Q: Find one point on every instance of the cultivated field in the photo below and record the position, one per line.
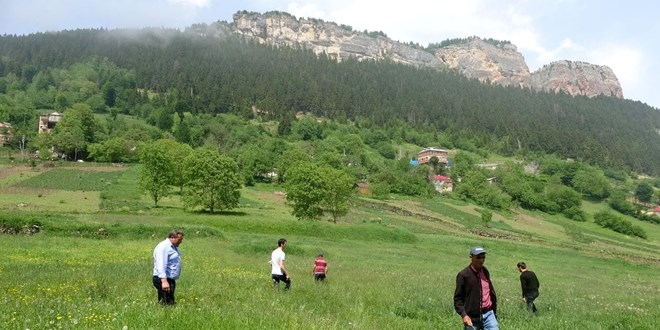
(391, 264)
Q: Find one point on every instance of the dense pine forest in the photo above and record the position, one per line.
(156, 74)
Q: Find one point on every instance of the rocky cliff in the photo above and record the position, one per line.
(496, 62)
(338, 42)
(577, 78)
(489, 61)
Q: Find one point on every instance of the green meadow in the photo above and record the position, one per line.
(392, 263)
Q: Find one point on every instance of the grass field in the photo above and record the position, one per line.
(391, 264)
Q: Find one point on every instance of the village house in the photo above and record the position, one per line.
(443, 184)
(656, 211)
(47, 122)
(363, 188)
(6, 133)
(424, 156)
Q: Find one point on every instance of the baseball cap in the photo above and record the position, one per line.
(477, 250)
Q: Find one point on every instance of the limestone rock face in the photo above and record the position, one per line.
(486, 60)
(495, 62)
(577, 78)
(337, 42)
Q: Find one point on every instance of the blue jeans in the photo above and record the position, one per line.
(487, 322)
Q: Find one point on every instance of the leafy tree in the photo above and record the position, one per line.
(109, 95)
(493, 197)
(339, 188)
(212, 180)
(644, 192)
(575, 213)
(112, 150)
(156, 171)
(288, 159)
(386, 150)
(69, 137)
(164, 119)
(562, 198)
(76, 129)
(462, 164)
(403, 178)
(183, 131)
(373, 137)
(332, 159)
(380, 190)
(307, 128)
(284, 126)
(254, 162)
(486, 217)
(619, 203)
(61, 102)
(178, 152)
(474, 186)
(591, 182)
(524, 189)
(305, 190)
(313, 190)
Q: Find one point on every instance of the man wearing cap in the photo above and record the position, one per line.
(474, 297)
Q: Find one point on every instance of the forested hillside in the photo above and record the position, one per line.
(180, 72)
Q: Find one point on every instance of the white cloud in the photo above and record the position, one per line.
(626, 62)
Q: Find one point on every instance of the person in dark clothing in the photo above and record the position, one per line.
(530, 286)
(474, 298)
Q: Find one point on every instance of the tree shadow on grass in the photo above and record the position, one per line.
(225, 213)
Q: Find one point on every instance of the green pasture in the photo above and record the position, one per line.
(391, 264)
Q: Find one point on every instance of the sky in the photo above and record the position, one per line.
(621, 35)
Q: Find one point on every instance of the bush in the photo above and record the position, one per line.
(609, 220)
(26, 222)
(575, 213)
(622, 205)
(380, 190)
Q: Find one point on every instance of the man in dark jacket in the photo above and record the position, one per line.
(530, 286)
(474, 298)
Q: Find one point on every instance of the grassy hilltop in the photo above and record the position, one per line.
(392, 264)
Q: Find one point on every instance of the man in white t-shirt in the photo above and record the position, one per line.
(279, 272)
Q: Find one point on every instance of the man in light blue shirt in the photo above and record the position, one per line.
(167, 267)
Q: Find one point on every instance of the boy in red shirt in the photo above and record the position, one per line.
(320, 268)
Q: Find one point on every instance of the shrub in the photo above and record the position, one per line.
(609, 220)
(575, 213)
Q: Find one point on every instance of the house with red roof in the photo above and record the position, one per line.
(656, 211)
(443, 184)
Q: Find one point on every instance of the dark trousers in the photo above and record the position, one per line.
(165, 298)
(319, 277)
(281, 278)
(530, 297)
